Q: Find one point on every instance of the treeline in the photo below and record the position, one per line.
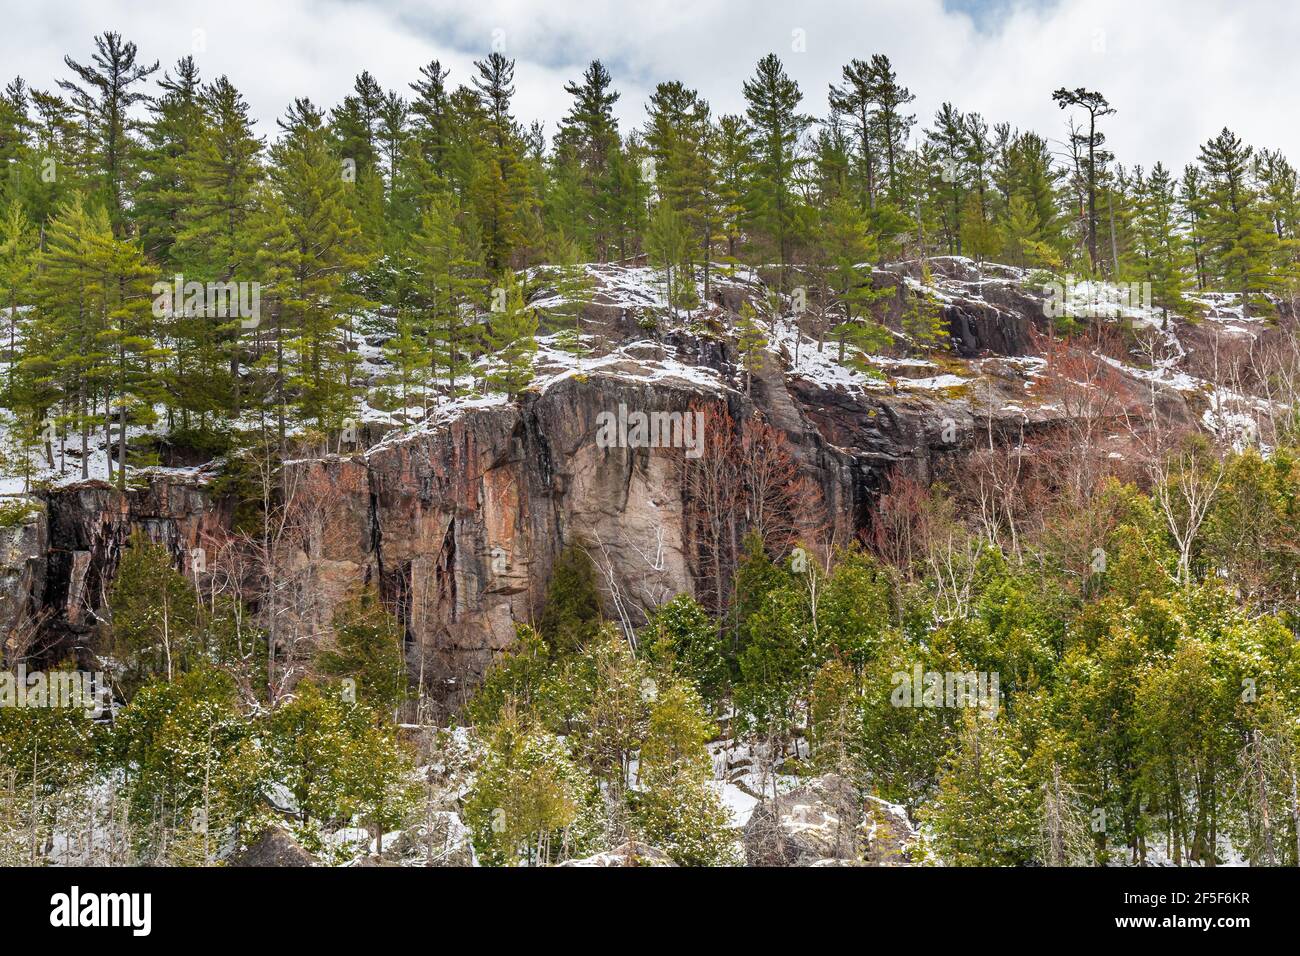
(422, 203)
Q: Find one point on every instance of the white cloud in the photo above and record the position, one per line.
(1177, 70)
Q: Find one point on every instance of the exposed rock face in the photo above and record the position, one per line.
(459, 523)
(631, 853)
(88, 524)
(23, 548)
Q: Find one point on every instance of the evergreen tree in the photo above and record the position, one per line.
(949, 139)
(217, 242)
(368, 649)
(175, 118)
(1162, 258)
(529, 803)
(327, 249)
(571, 615)
(503, 197)
(772, 101)
(155, 615)
(751, 343)
(103, 94)
(17, 249)
(923, 319)
(511, 339)
(590, 132)
(682, 635)
(893, 126)
(984, 813)
(1240, 246)
(853, 100)
(675, 808)
(668, 244)
(1093, 169)
(447, 283)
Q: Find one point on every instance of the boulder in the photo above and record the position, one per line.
(275, 847)
(448, 845)
(812, 824)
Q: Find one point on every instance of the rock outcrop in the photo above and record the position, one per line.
(276, 848)
(459, 522)
(24, 546)
(816, 822)
(825, 823)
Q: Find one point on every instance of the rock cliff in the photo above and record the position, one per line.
(459, 520)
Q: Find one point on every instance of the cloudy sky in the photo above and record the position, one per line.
(1177, 70)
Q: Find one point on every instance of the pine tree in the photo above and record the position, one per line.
(683, 637)
(407, 352)
(327, 249)
(217, 239)
(431, 111)
(571, 290)
(889, 97)
(447, 284)
(511, 339)
(751, 343)
(90, 345)
(1162, 257)
(17, 249)
(132, 387)
(668, 244)
(175, 119)
(849, 250)
(1022, 241)
(923, 319)
(1241, 248)
(854, 100)
(949, 138)
(503, 196)
(103, 93)
(677, 133)
(1093, 170)
(355, 130)
(772, 99)
(1191, 199)
(731, 154)
(590, 131)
